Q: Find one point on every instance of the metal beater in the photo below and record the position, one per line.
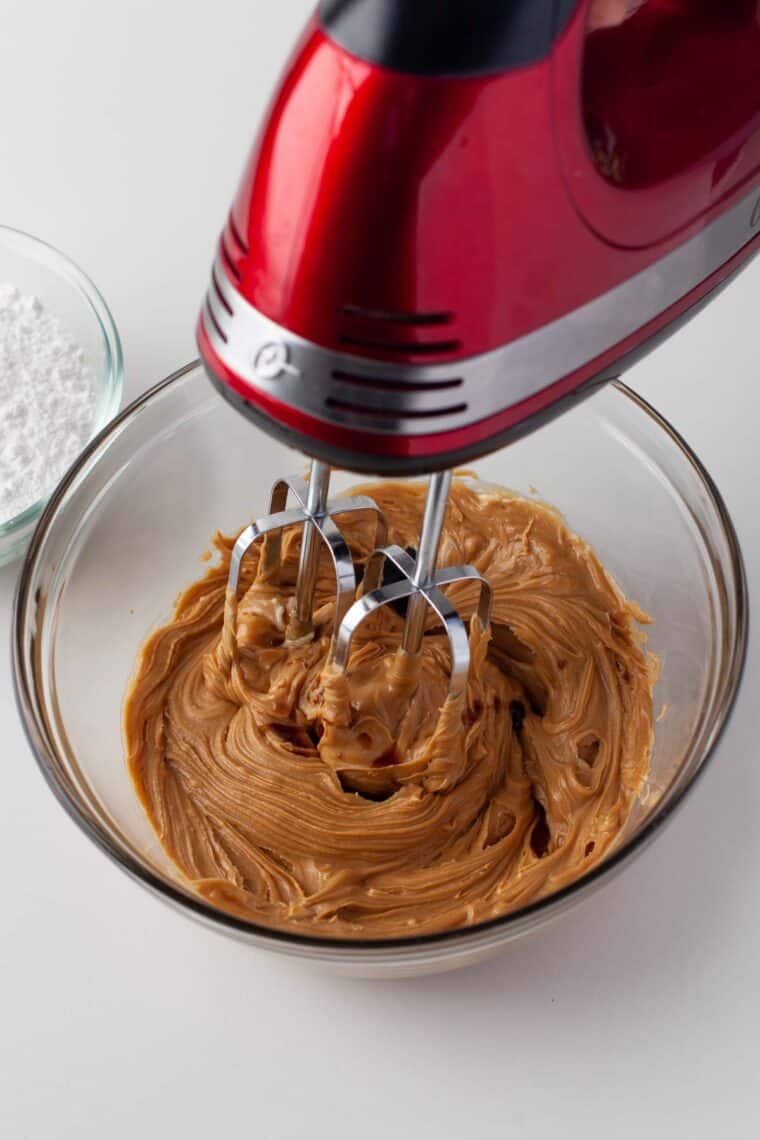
(418, 582)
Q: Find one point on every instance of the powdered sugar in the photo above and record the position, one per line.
(47, 400)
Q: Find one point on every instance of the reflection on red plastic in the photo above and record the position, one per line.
(671, 86)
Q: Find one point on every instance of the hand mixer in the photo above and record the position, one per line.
(458, 219)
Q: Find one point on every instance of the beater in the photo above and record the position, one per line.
(457, 220)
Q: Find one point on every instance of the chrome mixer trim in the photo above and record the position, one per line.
(419, 399)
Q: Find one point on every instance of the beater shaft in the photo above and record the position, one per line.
(427, 554)
(316, 504)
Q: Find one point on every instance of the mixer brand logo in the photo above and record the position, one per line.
(272, 360)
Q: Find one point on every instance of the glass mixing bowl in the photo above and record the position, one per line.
(40, 270)
(126, 529)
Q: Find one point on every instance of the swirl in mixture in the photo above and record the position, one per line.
(368, 805)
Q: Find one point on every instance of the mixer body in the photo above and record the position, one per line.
(456, 219)
(453, 223)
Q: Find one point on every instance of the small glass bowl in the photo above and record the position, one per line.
(127, 527)
(40, 270)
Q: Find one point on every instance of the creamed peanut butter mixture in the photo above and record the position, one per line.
(368, 805)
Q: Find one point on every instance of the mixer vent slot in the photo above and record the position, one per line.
(398, 318)
(228, 259)
(219, 294)
(385, 414)
(220, 333)
(238, 238)
(391, 331)
(410, 348)
(396, 385)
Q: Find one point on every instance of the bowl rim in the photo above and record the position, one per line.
(110, 381)
(462, 938)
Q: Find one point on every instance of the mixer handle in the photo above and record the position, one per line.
(428, 37)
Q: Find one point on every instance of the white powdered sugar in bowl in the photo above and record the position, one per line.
(48, 394)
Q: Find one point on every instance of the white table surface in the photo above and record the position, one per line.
(124, 131)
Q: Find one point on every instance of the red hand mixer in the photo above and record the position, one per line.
(457, 219)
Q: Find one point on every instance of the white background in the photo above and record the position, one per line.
(124, 129)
